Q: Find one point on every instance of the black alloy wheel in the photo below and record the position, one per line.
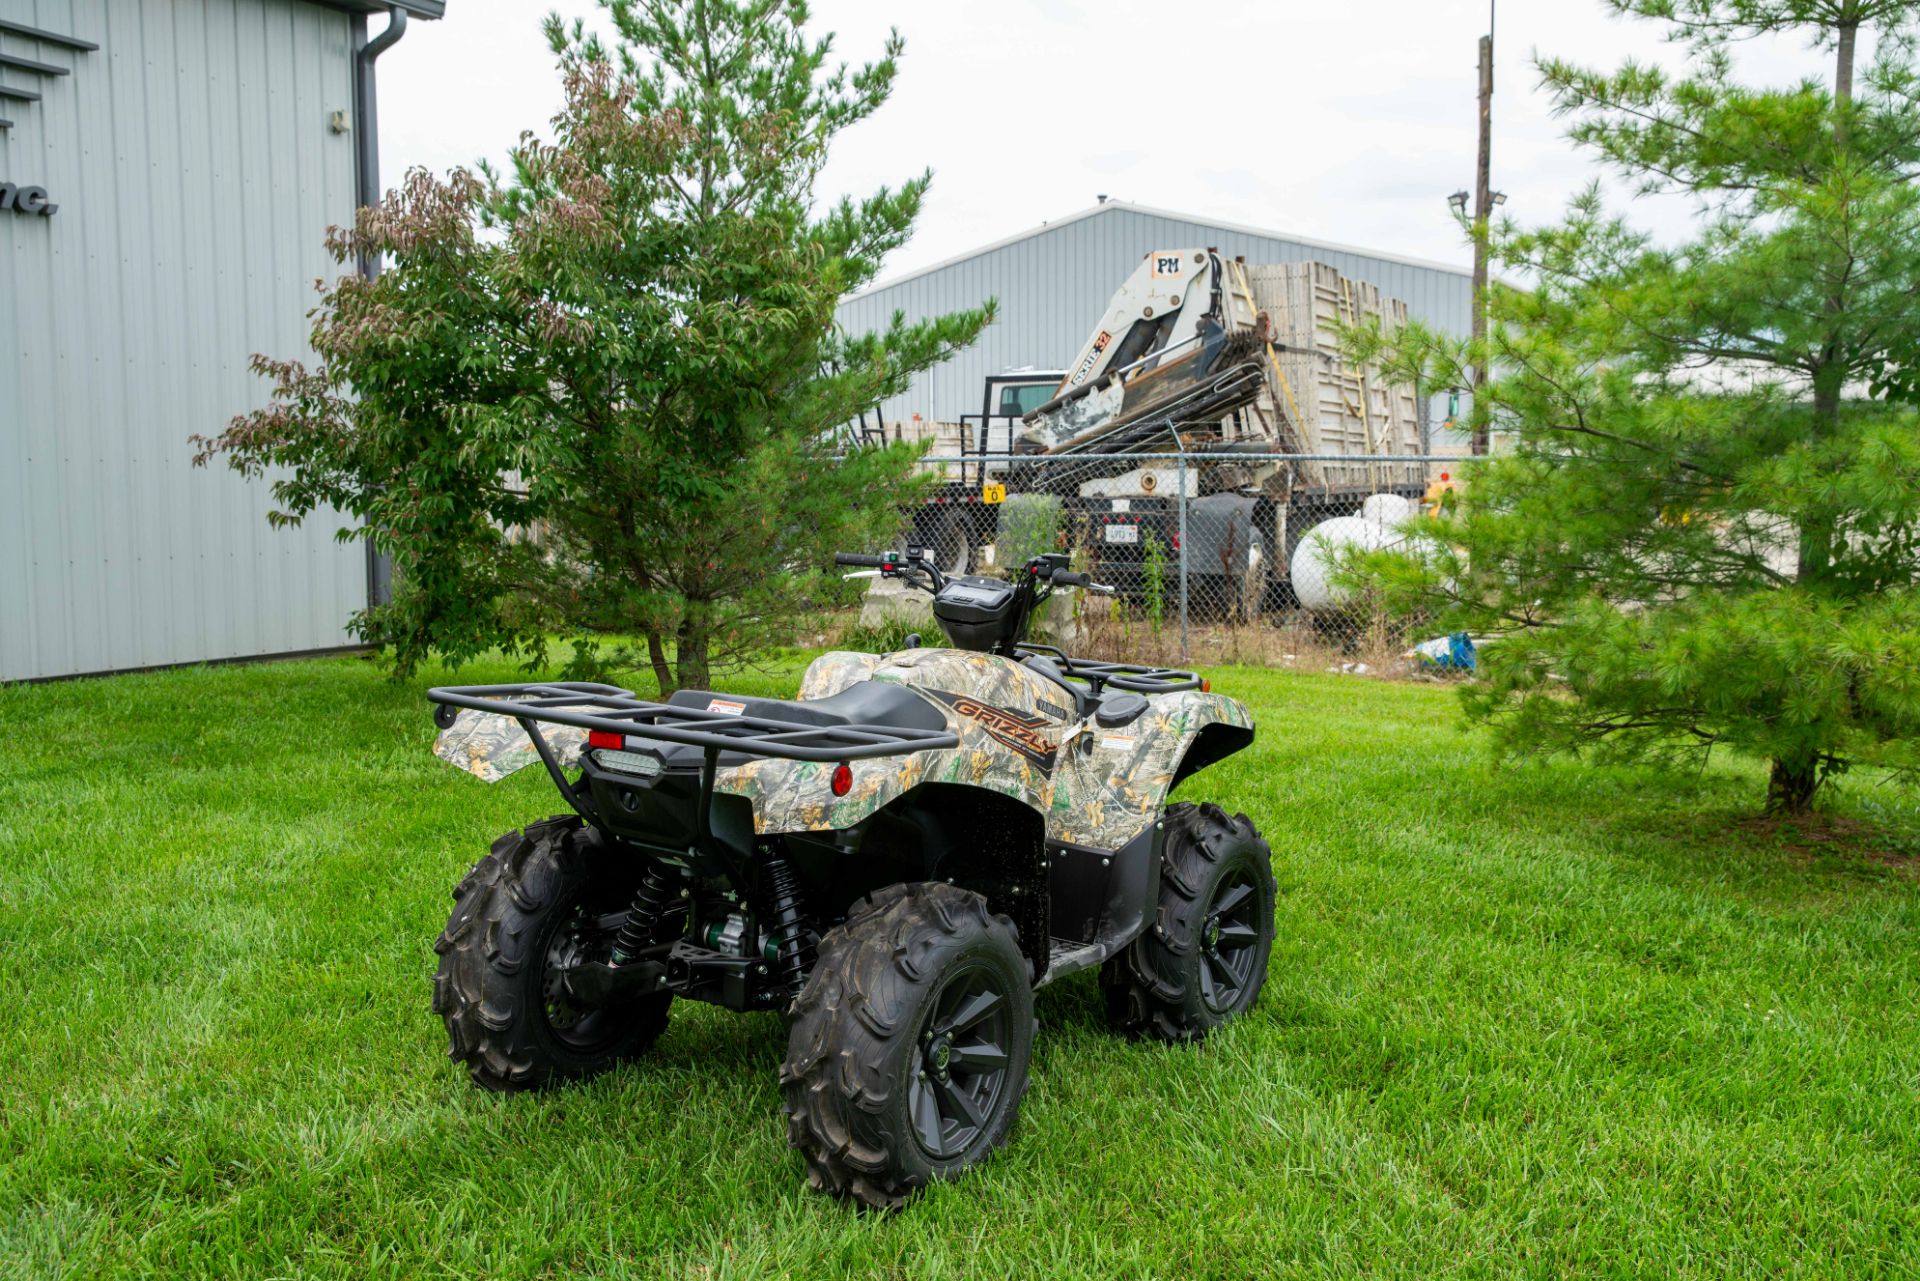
(963, 1062)
(541, 901)
(1231, 944)
(1203, 959)
(908, 1048)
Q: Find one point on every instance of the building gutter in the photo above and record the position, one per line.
(367, 193)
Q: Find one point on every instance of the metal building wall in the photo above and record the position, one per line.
(196, 175)
(1054, 285)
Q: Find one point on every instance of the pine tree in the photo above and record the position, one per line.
(1704, 535)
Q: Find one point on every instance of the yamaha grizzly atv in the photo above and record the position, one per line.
(896, 860)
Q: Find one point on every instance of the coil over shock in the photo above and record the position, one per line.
(788, 938)
(650, 903)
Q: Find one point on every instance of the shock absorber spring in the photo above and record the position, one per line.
(650, 904)
(787, 938)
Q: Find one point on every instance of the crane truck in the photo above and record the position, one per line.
(1222, 363)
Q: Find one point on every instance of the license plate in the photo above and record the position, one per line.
(1123, 533)
(993, 494)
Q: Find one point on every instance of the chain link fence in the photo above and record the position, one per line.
(1222, 557)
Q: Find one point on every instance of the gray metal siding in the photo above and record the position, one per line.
(196, 176)
(1053, 286)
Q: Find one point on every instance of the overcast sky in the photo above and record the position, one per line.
(1343, 120)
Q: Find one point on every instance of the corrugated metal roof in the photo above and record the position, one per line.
(1054, 281)
(1115, 206)
(418, 8)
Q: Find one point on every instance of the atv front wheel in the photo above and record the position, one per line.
(1204, 958)
(909, 1045)
(522, 915)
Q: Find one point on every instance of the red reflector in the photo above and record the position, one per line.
(1444, 476)
(603, 738)
(842, 779)
(1206, 686)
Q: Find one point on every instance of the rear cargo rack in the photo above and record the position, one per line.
(613, 710)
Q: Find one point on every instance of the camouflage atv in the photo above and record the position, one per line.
(895, 860)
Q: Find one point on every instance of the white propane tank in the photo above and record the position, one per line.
(1387, 509)
(1314, 556)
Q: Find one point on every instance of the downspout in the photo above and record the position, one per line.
(366, 183)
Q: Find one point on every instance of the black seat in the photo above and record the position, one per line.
(862, 703)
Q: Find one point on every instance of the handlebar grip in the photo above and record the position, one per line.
(1067, 578)
(858, 561)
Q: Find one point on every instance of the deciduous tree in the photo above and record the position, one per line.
(600, 394)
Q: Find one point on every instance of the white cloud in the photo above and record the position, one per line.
(1350, 121)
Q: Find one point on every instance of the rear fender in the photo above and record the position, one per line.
(798, 796)
(985, 700)
(490, 747)
(1111, 784)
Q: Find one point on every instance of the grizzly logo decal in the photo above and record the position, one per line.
(1017, 730)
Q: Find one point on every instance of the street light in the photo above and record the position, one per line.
(1459, 201)
(1499, 197)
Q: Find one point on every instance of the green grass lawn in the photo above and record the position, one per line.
(1555, 1021)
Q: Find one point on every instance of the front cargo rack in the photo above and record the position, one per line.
(1138, 677)
(612, 710)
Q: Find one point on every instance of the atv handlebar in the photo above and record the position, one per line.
(1068, 578)
(904, 564)
(1049, 568)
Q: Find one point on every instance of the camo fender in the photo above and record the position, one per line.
(490, 747)
(1009, 721)
(1111, 784)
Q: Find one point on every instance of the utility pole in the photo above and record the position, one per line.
(1482, 212)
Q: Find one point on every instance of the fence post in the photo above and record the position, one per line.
(1181, 493)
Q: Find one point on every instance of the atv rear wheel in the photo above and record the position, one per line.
(1204, 958)
(522, 915)
(909, 1045)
